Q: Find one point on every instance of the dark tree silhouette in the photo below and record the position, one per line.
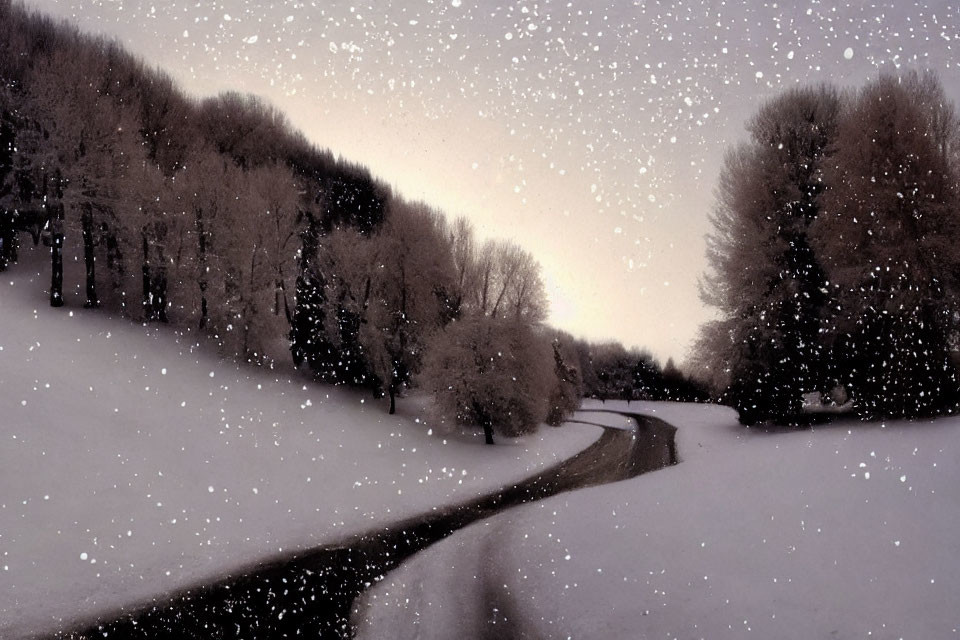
(765, 278)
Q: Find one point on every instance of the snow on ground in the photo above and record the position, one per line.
(133, 463)
(846, 530)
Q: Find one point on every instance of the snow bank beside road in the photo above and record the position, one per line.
(133, 463)
(845, 530)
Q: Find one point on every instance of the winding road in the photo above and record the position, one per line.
(312, 594)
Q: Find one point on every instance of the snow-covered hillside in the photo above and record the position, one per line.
(134, 463)
(847, 530)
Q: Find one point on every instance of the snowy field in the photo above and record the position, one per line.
(844, 531)
(133, 463)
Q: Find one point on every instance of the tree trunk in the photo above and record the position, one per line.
(6, 238)
(203, 304)
(12, 242)
(248, 305)
(202, 280)
(56, 253)
(158, 286)
(487, 432)
(286, 305)
(89, 258)
(147, 302)
(281, 294)
(114, 260)
(159, 289)
(246, 333)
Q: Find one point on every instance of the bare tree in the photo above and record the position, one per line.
(253, 235)
(210, 186)
(343, 267)
(244, 127)
(464, 251)
(280, 227)
(411, 273)
(505, 282)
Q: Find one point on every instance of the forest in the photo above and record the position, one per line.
(832, 254)
(834, 261)
(215, 216)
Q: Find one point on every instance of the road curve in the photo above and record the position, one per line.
(311, 594)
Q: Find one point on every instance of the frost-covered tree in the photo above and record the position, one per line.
(205, 211)
(505, 282)
(888, 241)
(210, 186)
(765, 279)
(567, 389)
(342, 277)
(254, 243)
(491, 372)
(243, 127)
(280, 228)
(613, 372)
(91, 138)
(100, 173)
(411, 272)
(464, 251)
(348, 206)
(834, 252)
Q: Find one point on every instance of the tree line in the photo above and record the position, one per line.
(834, 262)
(216, 216)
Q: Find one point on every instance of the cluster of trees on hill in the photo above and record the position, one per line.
(216, 216)
(611, 372)
(834, 256)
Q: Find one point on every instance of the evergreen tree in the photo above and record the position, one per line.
(766, 280)
(567, 391)
(888, 238)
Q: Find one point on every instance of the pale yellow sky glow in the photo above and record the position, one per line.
(591, 133)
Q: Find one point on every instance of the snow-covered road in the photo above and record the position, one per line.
(846, 530)
(312, 595)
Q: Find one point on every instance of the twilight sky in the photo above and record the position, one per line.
(589, 132)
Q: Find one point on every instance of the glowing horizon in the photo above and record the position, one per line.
(591, 135)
